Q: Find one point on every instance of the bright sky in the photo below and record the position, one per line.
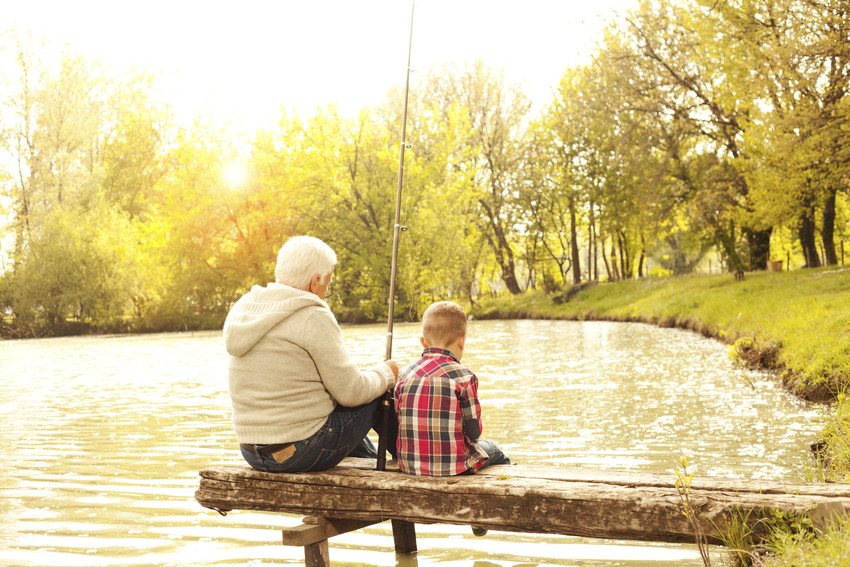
(239, 62)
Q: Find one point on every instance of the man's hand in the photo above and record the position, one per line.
(394, 367)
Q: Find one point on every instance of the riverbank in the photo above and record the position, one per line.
(795, 323)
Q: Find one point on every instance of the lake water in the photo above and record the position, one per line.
(102, 438)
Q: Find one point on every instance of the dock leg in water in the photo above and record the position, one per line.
(316, 554)
(314, 533)
(404, 535)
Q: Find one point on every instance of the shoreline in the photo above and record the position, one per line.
(794, 324)
(748, 352)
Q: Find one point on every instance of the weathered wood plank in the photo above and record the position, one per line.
(667, 480)
(325, 528)
(601, 504)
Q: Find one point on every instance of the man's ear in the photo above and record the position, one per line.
(315, 283)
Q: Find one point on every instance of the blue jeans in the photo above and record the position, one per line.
(496, 456)
(342, 435)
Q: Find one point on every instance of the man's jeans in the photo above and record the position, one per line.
(342, 435)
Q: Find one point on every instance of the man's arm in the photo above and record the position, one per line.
(339, 373)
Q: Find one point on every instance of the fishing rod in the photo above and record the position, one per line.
(397, 229)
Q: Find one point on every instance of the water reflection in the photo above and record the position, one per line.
(102, 438)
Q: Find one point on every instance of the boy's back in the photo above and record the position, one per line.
(439, 416)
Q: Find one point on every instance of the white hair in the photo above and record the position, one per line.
(302, 258)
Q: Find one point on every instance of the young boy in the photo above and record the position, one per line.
(436, 400)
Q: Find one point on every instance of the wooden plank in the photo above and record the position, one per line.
(578, 502)
(667, 480)
(325, 528)
(353, 467)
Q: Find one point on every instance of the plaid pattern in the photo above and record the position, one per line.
(434, 396)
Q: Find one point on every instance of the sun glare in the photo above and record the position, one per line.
(234, 175)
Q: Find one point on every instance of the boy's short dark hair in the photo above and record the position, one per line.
(443, 323)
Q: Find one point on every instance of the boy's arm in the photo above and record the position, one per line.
(472, 429)
(470, 410)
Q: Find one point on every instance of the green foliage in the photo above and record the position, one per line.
(75, 271)
(739, 537)
(832, 454)
(683, 488)
(696, 129)
(796, 542)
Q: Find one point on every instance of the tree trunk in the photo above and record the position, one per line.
(508, 268)
(806, 234)
(616, 273)
(727, 243)
(759, 244)
(595, 255)
(828, 230)
(605, 261)
(625, 257)
(574, 251)
(502, 250)
(589, 262)
(592, 259)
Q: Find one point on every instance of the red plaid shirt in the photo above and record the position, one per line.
(436, 399)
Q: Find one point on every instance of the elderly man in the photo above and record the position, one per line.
(300, 403)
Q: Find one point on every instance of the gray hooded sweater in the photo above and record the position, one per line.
(288, 366)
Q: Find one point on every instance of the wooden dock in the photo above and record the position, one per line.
(516, 498)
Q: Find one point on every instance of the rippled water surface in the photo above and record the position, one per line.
(102, 438)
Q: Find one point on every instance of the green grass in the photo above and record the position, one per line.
(824, 548)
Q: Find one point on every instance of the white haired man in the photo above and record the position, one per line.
(300, 403)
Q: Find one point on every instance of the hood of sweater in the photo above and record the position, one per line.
(260, 310)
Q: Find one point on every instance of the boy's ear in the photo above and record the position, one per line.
(423, 342)
(461, 341)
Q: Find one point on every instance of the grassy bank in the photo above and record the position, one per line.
(796, 323)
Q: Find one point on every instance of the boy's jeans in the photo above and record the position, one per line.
(342, 435)
(497, 457)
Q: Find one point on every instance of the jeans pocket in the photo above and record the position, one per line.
(300, 453)
(328, 458)
(284, 454)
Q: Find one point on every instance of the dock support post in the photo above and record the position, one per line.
(316, 554)
(313, 535)
(404, 535)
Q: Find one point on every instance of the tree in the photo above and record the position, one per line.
(77, 268)
(134, 146)
(800, 51)
(689, 64)
(497, 115)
